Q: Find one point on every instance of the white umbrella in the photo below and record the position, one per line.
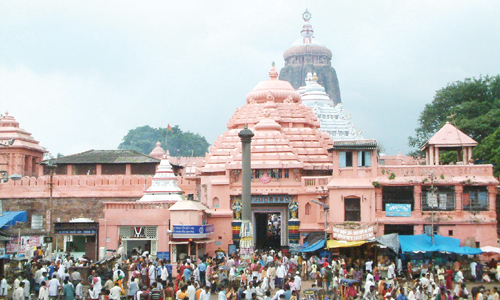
(491, 249)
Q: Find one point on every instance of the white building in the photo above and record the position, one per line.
(332, 118)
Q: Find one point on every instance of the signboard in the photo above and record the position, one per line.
(397, 210)
(232, 249)
(76, 228)
(295, 248)
(19, 246)
(362, 234)
(163, 255)
(192, 231)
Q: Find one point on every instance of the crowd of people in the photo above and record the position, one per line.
(267, 275)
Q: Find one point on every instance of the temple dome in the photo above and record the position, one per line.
(158, 151)
(9, 130)
(286, 132)
(273, 89)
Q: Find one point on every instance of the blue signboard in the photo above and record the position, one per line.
(397, 210)
(163, 255)
(193, 231)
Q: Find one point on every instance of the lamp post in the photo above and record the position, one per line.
(326, 208)
(51, 166)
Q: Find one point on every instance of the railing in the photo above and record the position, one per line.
(445, 170)
(316, 181)
(84, 180)
(137, 205)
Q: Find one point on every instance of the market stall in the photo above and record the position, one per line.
(424, 252)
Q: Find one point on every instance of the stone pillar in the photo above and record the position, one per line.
(492, 197)
(431, 155)
(246, 171)
(417, 199)
(378, 200)
(98, 169)
(128, 169)
(436, 151)
(459, 191)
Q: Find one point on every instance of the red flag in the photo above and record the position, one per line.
(169, 128)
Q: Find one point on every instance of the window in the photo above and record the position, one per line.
(308, 209)
(352, 209)
(364, 159)
(397, 195)
(399, 229)
(36, 222)
(441, 198)
(450, 232)
(475, 198)
(143, 169)
(216, 202)
(84, 169)
(345, 159)
(113, 169)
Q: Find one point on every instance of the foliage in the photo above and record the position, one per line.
(488, 151)
(473, 106)
(179, 143)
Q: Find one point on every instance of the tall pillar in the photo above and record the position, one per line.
(431, 155)
(459, 190)
(246, 172)
(436, 160)
(417, 199)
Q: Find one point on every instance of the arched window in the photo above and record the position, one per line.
(216, 202)
(308, 209)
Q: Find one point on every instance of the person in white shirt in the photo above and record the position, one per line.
(473, 266)
(26, 288)
(205, 294)
(298, 282)
(3, 287)
(54, 287)
(191, 291)
(369, 266)
(79, 291)
(114, 293)
(152, 273)
(43, 292)
(164, 274)
(390, 272)
(280, 273)
(16, 283)
(19, 292)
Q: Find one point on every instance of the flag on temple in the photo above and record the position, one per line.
(169, 128)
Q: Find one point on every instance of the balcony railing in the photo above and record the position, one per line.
(445, 170)
(316, 181)
(137, 205)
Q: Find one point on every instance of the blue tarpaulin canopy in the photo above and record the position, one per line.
(10, 218)
(423, 243)
(316, 246)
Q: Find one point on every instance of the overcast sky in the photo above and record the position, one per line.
(79, 74)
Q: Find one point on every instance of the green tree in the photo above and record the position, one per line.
(472, 105)
(179, 143)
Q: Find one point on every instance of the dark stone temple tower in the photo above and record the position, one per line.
(308, 55)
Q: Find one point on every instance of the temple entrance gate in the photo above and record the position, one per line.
(270, 226)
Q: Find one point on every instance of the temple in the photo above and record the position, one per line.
(20, 153)
(312, 174)
(307, 54)
(331, 117)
